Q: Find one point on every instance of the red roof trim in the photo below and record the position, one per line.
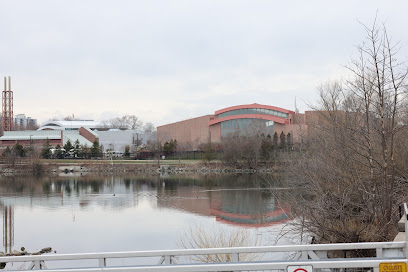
(254, 106)
(276, 119)
(273, 213)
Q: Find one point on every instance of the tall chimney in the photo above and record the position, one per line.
(7, 107)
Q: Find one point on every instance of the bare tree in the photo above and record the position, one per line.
(155, 146)
(244, 146)
(149, 128)
(349, 170)
(380, 85)
(182, 148)
(133, 122)
(231, 151)
(209, 151)
(301, 131)
(11, 156)
(123, 123)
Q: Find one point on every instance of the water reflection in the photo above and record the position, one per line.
(245, 206)
(252, 208)
(88, 209)
(8, 227)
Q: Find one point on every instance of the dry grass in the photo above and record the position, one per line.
(218, 237)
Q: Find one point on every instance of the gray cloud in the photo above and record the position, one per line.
(170, 60)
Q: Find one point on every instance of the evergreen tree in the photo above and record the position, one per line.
(68, 146)
(19, 150)
(289, 141)
(58, 152)
(83, 151)
(45, 151)
(95, 149)
(275, 140)
(77, 145)
(266, 147)
(282, 140)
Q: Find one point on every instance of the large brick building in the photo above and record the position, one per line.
(233, 119)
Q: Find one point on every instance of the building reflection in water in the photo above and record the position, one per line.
(8, 228)
(240, 207)
(249, 208)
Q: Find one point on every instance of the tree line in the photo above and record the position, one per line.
(242, 148)
(68, 150)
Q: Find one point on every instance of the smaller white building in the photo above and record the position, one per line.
(116, 140)
(84, 137)
(113, 140)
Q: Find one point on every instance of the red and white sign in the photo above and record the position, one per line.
(296, 268)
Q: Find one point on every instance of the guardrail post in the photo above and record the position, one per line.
(167, 259)
(406, 229)
(37, 265)
(379, 254)
(102, 262)
(235, 258)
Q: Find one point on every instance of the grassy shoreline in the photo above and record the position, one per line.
(55, 166)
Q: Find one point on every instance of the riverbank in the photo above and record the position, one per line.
(129, 166)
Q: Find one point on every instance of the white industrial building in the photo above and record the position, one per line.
(69, 125)
(54, 137)
(116, 140)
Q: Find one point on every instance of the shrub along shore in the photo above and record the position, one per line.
(130, 166)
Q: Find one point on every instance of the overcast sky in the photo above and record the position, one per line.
(167, 61)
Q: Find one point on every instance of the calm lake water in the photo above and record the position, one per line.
(120, 213)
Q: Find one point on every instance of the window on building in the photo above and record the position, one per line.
(253, 111)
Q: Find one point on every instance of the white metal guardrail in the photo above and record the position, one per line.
(247, 266)
(316, 254)
(167, 260)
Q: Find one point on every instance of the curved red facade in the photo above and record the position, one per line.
(254, 106)
(276, 119)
